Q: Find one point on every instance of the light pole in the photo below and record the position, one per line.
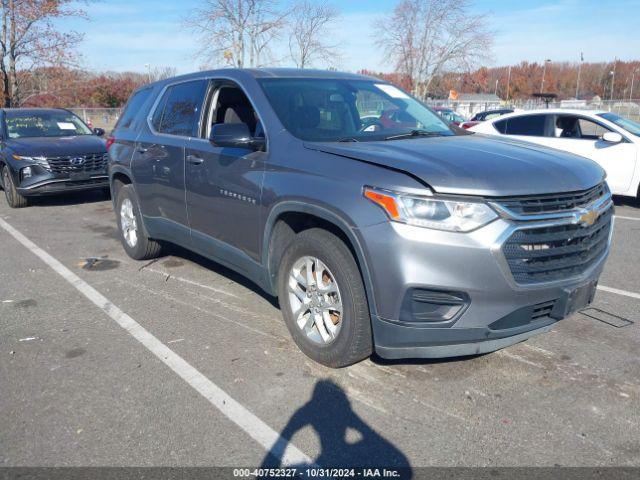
(508, 82)
(148, 67)
(544, 71)
(496, 90)
(613, 76)
(579, 70)
(633, 75)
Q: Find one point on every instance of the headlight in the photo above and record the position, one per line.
(42, 160)
(448, 215)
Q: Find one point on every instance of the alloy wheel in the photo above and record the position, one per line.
(128, 223)
(314, 298)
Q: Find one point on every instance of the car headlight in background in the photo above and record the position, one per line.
(447, 215)
(41, 160)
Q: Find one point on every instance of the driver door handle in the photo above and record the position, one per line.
(194, 159)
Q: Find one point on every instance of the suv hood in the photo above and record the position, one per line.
(57, 146)
(476, 164)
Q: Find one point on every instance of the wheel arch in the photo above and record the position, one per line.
(118, 176)
(291, 217)
(121, 177)
(9, 164)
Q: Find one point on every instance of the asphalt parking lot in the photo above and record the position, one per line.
(185, 363)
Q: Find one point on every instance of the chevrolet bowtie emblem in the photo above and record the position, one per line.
(588, 218)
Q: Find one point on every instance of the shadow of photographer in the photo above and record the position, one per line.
(346, 441)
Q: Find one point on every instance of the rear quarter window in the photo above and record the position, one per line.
(133, 107)
(528, 125)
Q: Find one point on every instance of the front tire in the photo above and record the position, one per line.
(323, 300)
(132, 233)
(14, 199)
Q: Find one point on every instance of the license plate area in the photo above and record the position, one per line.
(575, 299)
(74, 176)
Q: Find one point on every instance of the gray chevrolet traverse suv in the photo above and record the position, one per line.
(378, 227)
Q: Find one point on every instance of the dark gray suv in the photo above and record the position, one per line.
(378, 227)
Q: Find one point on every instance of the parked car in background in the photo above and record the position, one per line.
(49, 151)
(604, 137)
(413, 241)
(450, 116)
(484, 116)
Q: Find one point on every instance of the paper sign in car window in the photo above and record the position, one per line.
(392, 91)
(66, 126)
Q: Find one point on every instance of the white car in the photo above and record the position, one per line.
(607, 138)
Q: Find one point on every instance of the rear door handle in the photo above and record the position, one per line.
(194, 160)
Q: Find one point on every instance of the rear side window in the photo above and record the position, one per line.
(591, 130)
(133, 107)
(178, 112)
(489, 116)
(529, 125)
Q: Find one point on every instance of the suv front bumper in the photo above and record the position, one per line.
(498, 313)
(43, 182)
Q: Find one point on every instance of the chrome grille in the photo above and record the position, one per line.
(539, 204)
(541, 254)
(96, 162)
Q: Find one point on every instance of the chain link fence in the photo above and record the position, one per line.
(98, 117)
(107, 117)
(626, 108)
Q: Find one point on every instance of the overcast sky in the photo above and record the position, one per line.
(127, 34)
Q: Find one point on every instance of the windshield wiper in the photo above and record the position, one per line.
(414, 133)
(347, 139)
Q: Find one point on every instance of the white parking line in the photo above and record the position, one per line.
(627, 218)
(262, 433)
(619, 292)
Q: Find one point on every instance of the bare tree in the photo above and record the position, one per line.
(427, 37)
(160, 73)
(308, 34)
(238, 32)
(29, 39)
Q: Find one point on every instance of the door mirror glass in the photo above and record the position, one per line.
(612, 137)
(234, 135)
(98, 131)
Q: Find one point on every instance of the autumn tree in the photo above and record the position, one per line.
(397, 79)
(237, 32)
(29, 39)
(308, 33)
(427, 37)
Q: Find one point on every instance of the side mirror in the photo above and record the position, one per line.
(99, 131)
(235, 135)
(612, 137)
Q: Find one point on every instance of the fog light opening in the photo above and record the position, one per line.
(431, 306)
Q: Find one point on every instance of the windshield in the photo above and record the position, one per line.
(629, 125)
(349, 110)
(45, 124)
(451, 116)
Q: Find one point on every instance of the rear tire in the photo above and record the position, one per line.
(351, 340)
(14, 199)
(132, 232)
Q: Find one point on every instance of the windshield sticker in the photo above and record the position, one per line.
(392, 91)
(66, 126)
